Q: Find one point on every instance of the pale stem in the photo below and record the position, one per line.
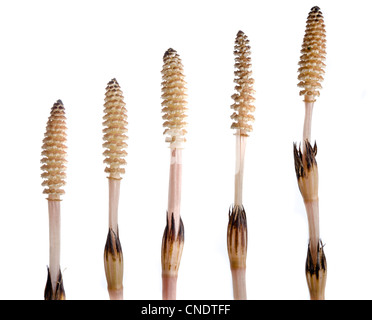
(114, 193)
(169, 287)
(312, 209)
(309, 105)
(54, 210)
(116, 294)
(239, 168)
(175, 182)
(239, 284)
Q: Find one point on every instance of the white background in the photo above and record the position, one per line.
(69, 50)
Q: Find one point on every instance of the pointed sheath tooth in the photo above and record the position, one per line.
(59, 293)
(115, 128)
(237, 237)
(172, 247)
(313, 52)
(174, 99)
(54, 152)
(243, 98)
(307, 170)
(113, 261)
(316, 274)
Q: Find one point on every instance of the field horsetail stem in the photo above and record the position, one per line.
(174, 113)
(237, 235)
(53, 167)
(311, 72)
(115, 128)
